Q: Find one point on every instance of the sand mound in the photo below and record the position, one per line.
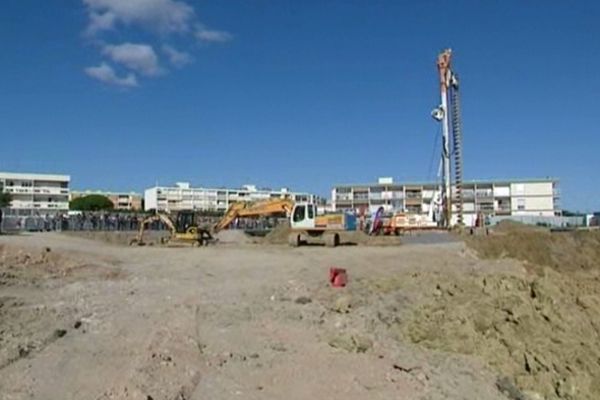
(120, 238)
(233, 236)
(559, 250)
(508, 226)
(279, 234)
(540, 332)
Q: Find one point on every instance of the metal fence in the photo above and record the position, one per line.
(80, 222)
(102, 221)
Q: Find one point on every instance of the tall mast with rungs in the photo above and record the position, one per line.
(457, 148)
(448, 113)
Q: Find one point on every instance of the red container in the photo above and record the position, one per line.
(338, 277)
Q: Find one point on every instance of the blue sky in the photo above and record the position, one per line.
(302, 94)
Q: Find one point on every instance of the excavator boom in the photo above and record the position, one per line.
(254, 209)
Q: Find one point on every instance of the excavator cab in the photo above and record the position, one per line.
(303, 216)
(185, 220)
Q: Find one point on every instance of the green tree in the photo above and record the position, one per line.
(5, 199)
(92, 202)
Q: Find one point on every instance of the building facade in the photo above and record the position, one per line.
(123, 201)
(522, 197)
(36, 193)
(184, 197)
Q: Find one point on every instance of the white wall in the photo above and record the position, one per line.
(150, 199)
(539, 189)
(502, 191)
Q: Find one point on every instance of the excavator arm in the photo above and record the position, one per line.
(153, 218)
(254, 209)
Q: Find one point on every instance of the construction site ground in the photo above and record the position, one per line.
(514, 315)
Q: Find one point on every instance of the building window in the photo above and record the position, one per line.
(521, 204)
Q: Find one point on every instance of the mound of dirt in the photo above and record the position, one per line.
(559, 250)
(542, 332)
(233, 236)
(542, 329)
(507, 226)
(279, 234)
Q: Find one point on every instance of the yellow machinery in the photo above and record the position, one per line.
(183, 227)
(254, 209)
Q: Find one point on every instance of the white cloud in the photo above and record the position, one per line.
(176, 57)
(161, 19)
(209, 35)
(162, 15)
(137, 57)
(105, 73)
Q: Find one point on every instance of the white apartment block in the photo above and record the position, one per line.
(36, 193)
(184, 197)
(517, 197)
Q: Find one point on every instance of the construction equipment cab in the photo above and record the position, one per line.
(305, 224)
(303, 216)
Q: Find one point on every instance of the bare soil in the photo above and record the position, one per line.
(95, 319)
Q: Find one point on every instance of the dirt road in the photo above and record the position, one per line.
(84, 319)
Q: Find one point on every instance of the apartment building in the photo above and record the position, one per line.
(518, 197)
(124, 201)
(184, 197)
(36, 193)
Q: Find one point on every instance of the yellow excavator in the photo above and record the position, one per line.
(303, 218)
(254, 209)
(183, 228)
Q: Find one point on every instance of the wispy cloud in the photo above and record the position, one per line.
(163, 15)
(176, 57)
(140, 58)
(105, 73)
(162, 19)
(210, 35)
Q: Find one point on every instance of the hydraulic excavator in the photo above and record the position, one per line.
(254, 209)
(183, 227)
(304, 222)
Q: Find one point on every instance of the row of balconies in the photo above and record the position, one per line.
(466, 194)
(34, 190)
(61, 205)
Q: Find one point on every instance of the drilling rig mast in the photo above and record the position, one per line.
(448, 113)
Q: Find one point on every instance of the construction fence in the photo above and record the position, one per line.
(102, 221)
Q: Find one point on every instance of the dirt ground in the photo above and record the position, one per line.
(95, 319)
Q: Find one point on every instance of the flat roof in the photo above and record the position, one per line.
(282, 190)
(434, 183)
(34, 177)
(106, 192)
